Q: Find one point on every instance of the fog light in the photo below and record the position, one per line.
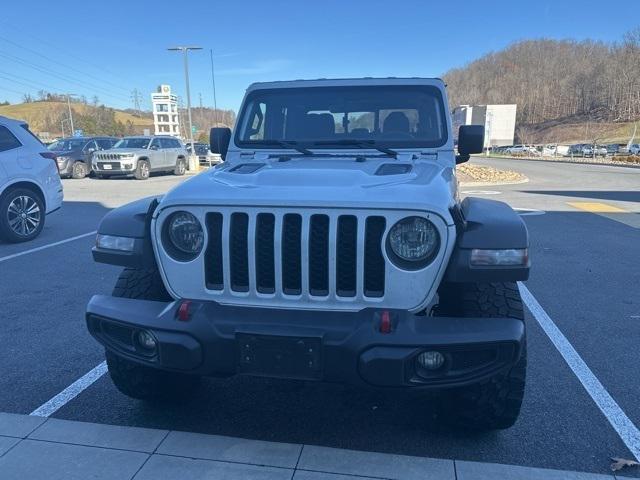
(431, 360)
(146, 340)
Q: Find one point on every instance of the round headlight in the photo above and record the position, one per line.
(414, 241)
(184, 234)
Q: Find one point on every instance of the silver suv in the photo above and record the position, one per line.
(141, 156)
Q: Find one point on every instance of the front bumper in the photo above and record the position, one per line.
(344, 347)
(119, 167)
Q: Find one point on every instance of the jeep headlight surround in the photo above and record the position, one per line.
(413, 242)
(182, 236)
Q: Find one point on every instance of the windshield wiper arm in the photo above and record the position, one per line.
(360, 144)
(288, 144)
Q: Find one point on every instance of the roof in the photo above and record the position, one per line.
(345, 82)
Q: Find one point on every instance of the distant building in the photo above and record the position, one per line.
(165, 112)
(499, 122)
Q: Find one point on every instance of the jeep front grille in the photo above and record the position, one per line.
(295, 254)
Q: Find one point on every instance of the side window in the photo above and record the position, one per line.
(165, 143)
(7, 140)
(155, 144)
(90, 145)
(176, 143)
(104, 144)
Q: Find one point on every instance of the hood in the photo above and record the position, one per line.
(323, 182)
(124, 150)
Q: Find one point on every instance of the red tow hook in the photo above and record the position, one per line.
(184, 311)
(385, 322)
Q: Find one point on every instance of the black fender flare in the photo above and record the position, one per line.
(486, 224)
(132, 220)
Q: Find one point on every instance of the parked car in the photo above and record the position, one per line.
(74, 154)
(576, 150)
(141, 156)
(634, 149)
(201, 150)
(522, 149)
(30, 186)
(613, 148)
(297, 262)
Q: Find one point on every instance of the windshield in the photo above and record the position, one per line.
(133, 143)
(324, 117)
(67, 145)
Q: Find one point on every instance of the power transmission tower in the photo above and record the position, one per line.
(136, 97)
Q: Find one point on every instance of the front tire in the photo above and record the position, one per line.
(79, 170)
(495, 403)
(22, 215)
(143, 170)
(136, 380)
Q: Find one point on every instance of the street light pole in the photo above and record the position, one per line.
(185, 51)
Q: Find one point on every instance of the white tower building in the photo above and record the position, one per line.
(165, 112)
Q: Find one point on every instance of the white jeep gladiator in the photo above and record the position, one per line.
(331, 245)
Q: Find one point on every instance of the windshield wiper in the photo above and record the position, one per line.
(288, 144)
(360, 144)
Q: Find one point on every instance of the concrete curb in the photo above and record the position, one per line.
(37, 448)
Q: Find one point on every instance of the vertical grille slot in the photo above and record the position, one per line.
(238, 252)
(214, 276)
(291, 254)
(265, 267)
(373, 260)
(319, 255)
(346, 256)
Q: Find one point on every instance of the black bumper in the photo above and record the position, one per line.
(345, 347)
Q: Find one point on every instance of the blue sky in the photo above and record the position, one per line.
(109, 48)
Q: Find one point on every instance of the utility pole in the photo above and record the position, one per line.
(136, 97)
(185, 52)
(70, 113)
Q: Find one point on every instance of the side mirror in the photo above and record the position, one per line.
(470, 140)
(219, 139)
(90, 150)
(153, 147)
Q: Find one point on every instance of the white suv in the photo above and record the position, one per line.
(30, 186)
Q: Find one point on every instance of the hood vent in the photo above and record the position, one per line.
(393, 169)
(247, 168)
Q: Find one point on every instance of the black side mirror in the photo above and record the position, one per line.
(219, 139)
(470, 140)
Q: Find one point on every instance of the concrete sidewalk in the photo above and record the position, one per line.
(34, 448)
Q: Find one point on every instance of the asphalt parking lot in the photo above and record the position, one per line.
(585, 277)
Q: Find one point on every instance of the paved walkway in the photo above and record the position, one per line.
(34, 448)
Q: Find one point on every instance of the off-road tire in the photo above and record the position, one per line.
(79, 170)
(495, 403)
(181, 167)
(6, 232)
(139, 381)
(143, 170)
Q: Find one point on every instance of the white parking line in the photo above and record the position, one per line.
(623, 426)
(71, 392)
(44, 247)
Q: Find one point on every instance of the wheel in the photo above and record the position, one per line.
(22, 215)
(79, 170)
(143, 170)
(135, 380)
(495, 403)
(181, 167)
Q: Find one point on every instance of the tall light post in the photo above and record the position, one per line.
(185, 51)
